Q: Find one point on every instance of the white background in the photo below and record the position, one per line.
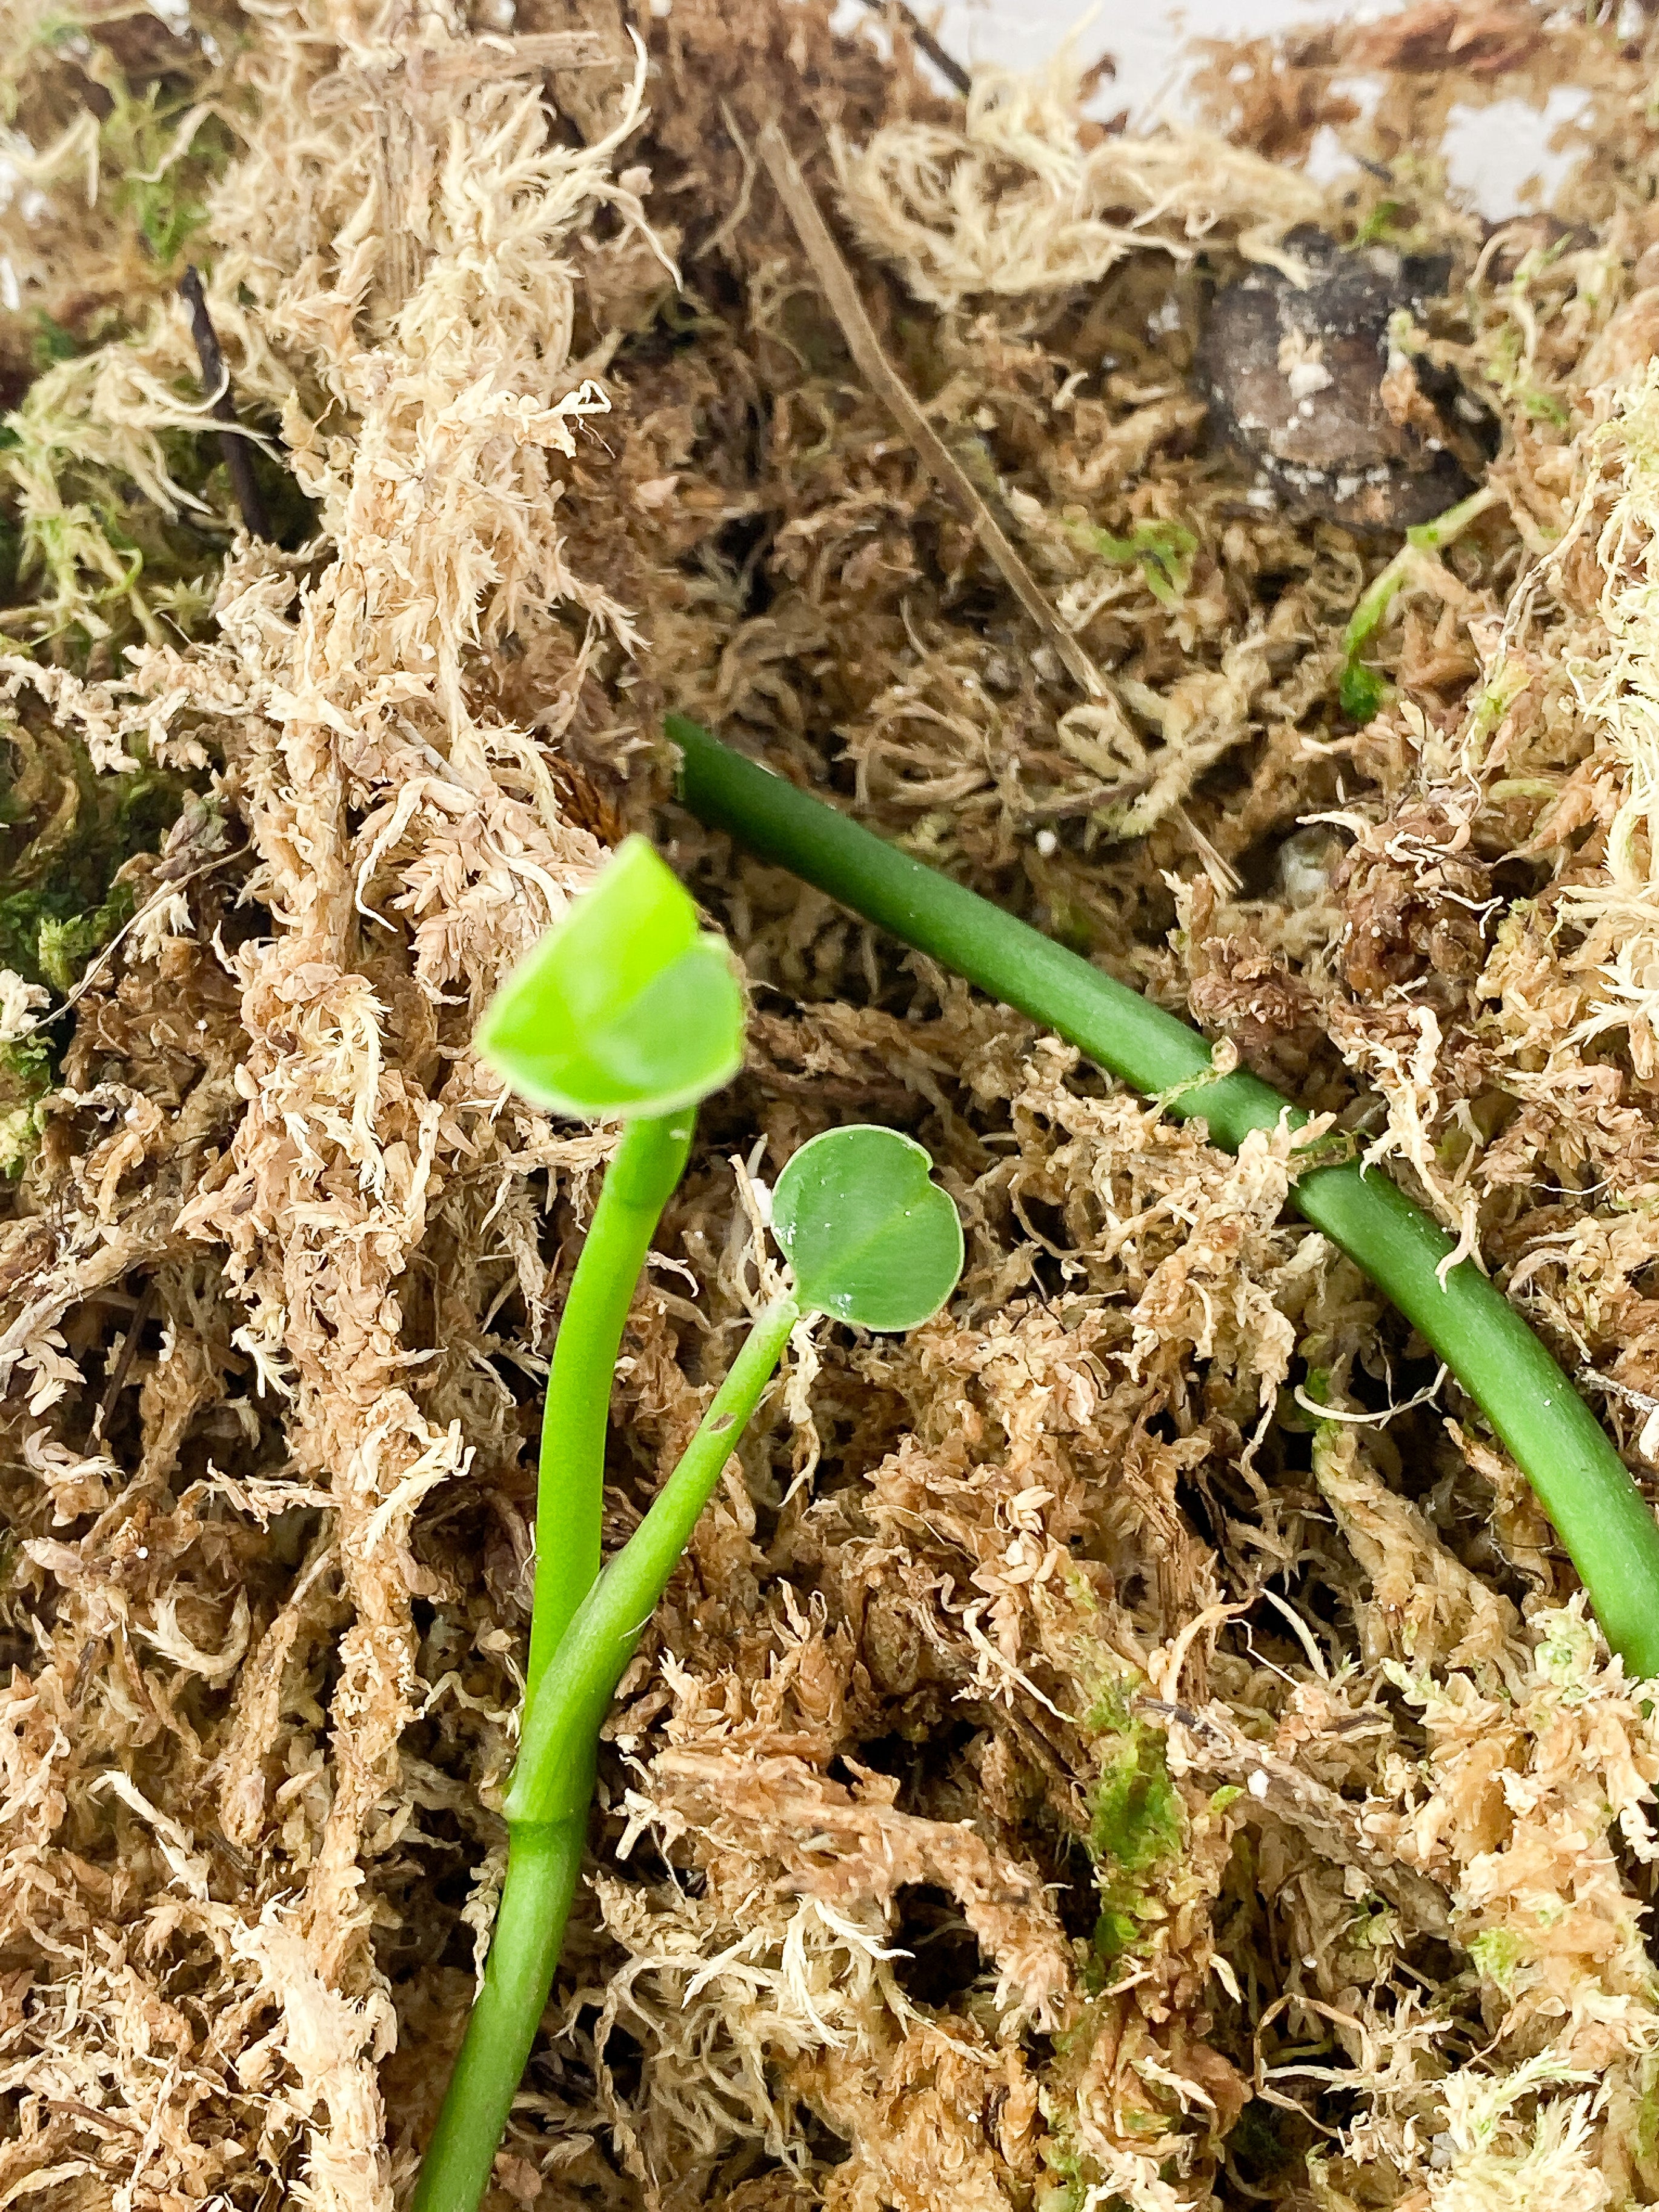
(1493, 154)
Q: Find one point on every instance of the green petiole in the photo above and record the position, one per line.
(543, 1864)
(544, 1860)
(554, 1778)
(624, 1009)
(547, 1805)
(642, 1176)
(1607, 1527)
(871, 1238)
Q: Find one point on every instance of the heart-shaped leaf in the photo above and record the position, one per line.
(624, 1007)
(871, 1237)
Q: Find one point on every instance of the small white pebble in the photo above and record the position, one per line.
(1307, 377)
(1257, 1784)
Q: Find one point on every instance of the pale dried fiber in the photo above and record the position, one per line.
(1023, 197)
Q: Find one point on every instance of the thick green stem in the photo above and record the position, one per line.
(1600, 1515)
(563, 1718)
(647, 1166)
(543, 1863)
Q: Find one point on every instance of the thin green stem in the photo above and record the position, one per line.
(644, 1171)
(1417, 560)
(543, 1864)
(564, 1717)
(1608, 1528)
(553, 1781)
(544, 1858)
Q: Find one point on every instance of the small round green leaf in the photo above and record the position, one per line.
(624, 1007)
(871, 1237)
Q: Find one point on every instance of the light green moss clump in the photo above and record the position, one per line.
(1135, 1823)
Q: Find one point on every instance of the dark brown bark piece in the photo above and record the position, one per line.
(1300, 382)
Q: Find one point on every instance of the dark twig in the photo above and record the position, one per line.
(215, 381)
(947, 64)
(88, 1658)
(123, 1359)
(72, 2108)
(1643, 1400)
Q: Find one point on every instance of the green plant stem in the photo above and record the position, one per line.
(564, 1717)
(1418, 558)
(543, 1864)
(544, 1857)
(547, 1804)
(1608, 1528)
(644, 1171)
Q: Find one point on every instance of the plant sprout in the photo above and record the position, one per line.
(1359, 688)
(1603, 1521)
(871, 1240)
(627, 1009)
(628, 1001)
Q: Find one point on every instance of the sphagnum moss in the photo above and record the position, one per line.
(267, 1169)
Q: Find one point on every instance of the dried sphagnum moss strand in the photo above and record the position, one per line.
(1016, 200)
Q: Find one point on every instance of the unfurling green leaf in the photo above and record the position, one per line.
(624, 1007)
(871, 1237)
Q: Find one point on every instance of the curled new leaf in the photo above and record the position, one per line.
(871, 1237)
(625, 1007)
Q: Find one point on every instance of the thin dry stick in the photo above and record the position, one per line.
(924, 41)
(475, 61)
(216, 382)
(839, 289)
(101, 960)
(141, 1313)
